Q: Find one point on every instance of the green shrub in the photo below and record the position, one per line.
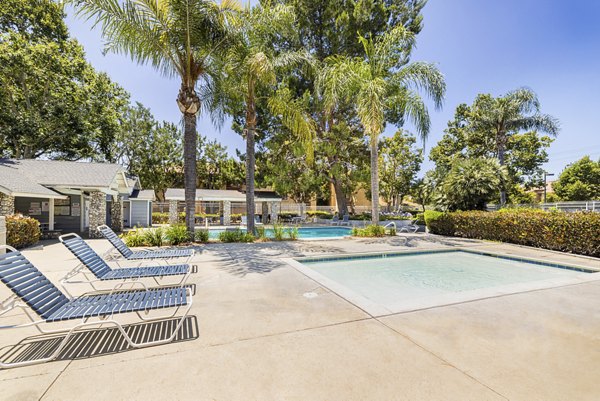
(261, 232)
(288, 215)
(134, 238)
(22, 231)
(575, 232)
(154, 236)
(160, 218)
(278, 232)
(292, 233)
(320, 214)
(201, 236)
(438, 222)
(420, 217)
(236, 236)
(369, 231)
(177, 234)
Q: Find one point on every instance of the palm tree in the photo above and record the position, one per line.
(180, 38)
(472, 183)
(251, 68)
(501, 117)
(380, 84)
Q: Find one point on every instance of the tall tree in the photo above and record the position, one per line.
(524, 152)
(580, 181)
(399, 162)
(52, 102)
(180, 38)
(252, 65)
(382, 84)
(327, 28)
(507, 115)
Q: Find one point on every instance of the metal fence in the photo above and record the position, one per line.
(591, 205)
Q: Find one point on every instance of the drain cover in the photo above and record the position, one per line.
(310, 295)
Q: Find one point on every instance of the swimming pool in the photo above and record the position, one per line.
(303, 232)
(390, 283)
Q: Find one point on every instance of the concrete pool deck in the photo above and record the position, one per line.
(255, 336)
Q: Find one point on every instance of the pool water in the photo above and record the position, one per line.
(303, 232)
(393, 279)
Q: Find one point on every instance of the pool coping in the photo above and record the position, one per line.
(584, 274)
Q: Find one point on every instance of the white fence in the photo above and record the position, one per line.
(593, 206)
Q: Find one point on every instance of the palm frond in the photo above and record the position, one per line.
(371, 104)
(423, 76)
(296, 118)
(410, 104)
(539, 122)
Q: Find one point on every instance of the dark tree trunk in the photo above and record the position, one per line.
(250, 163)
(189, 105)
(340, 197)
(374, 182)
(189, 170)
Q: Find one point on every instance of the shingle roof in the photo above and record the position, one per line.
(32, 176)
(66, 173)
(13, 182)
(144, 194)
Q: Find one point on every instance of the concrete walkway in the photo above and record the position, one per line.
(254, 336)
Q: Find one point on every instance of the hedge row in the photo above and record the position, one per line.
(22, 231)
(577, 232)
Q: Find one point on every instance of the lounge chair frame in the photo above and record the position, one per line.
(15, 302)
(116, 254)
(91, 279)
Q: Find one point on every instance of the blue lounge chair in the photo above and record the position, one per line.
(345, 220)
(91, 261)
(335, 220)
(32, 290)
(128, 254)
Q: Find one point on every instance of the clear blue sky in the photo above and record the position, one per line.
(481, 46)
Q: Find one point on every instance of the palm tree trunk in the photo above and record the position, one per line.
(250, 163)
(501, 151)
(190, 139)
(374, 182)
(189, 105)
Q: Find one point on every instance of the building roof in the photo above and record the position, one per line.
(29, 177)
(144, 194)
(13, 183)
(216, 195)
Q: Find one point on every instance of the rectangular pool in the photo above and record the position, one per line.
(398, 282)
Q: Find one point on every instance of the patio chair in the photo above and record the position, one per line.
(92, 262)
(345, 220)
(32, 290)
(335, 220)
(128, 254)
(298, 219)
(411, 227)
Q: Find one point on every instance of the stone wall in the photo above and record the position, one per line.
(116, 214)
(7, 205)
(2, 232)
(173, 215)
(226, 213)
(97, 213)
(265, 213)
(274, 212)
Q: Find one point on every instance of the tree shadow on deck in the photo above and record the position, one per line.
(263, 257)
(98, 342)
